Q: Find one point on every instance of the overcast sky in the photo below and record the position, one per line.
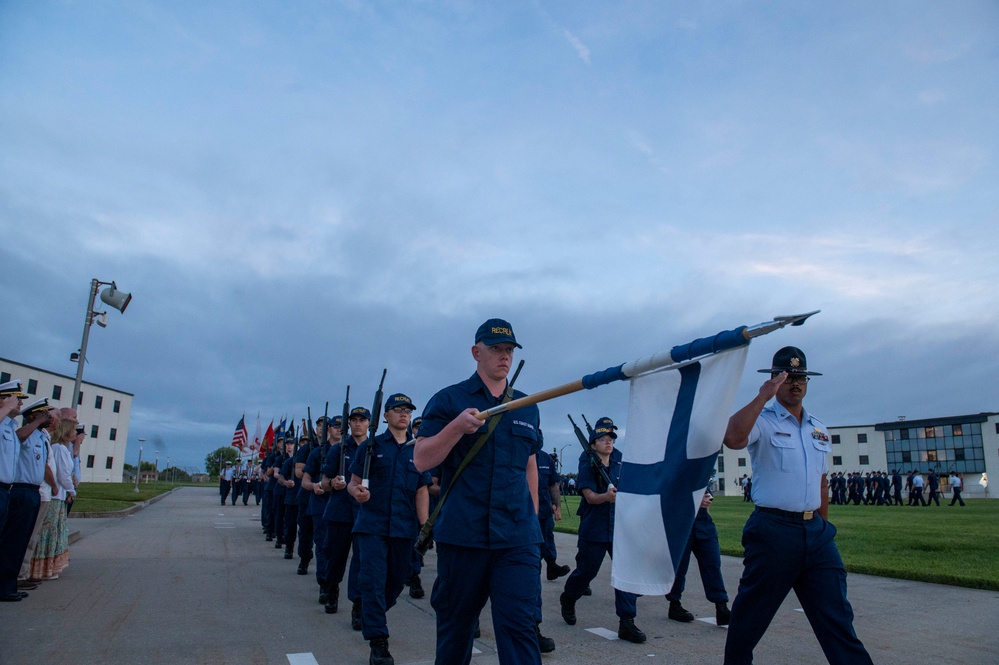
(300, 194)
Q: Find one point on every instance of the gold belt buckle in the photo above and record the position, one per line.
(808, 514)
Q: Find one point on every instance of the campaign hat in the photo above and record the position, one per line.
(790, 359)
(496, 331)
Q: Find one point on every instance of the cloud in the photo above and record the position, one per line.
(581, 49)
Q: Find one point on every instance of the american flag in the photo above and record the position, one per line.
(241, 435)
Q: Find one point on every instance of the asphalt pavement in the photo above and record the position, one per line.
(185, 580)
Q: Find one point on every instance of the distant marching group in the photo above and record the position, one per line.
(878, 488)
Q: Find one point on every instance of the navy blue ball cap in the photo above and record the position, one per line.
(790, 359)
(398, 399)
(417, 421)
(605, 422)
(336, 421)
(360, 412)
(496, 331)
(602, 431)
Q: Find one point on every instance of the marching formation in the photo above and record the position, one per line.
(470, 479)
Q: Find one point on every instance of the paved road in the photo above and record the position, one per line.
(188, 581)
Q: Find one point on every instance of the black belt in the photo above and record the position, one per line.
(6, 486)
(805, 516)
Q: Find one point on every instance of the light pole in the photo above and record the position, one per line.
(156, 469)
(169, 470)
(110, 296)
(138, 469)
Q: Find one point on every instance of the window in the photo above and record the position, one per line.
(931, 432)
(109, 463)
(117, 406)
(959, 453)
(90, 461)
(56, 392)
(79, 400)
(5, 377)
(837, 460)
(903, 434)
(906, 456)
(93, 433)
(99, 401)
(864, 461)
(721, 484)
(862, 438)
(931, 456)
(114, 434)
(835, 438)
(32, 386)
(956, 430)
(721, 464)
(742, 461)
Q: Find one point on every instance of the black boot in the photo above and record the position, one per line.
(355, 615)
(628, 631)
(379, 652)
(545, 644)
(553, 571)
(722, 613)
(568, 609)
(333, 600)
(587, 591)
(677, 612)
(303, 567)
(415, 587)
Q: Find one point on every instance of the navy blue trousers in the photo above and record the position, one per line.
(466, 578)
(548, 552)
(290, 525)
(277, 513)
(319, 540)
(266, 513)
(383, 577)
(784, 554)
(589, 556)
(338, 545)
(703, 543)
(15, 531)
(304, 533)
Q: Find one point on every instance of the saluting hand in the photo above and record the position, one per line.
(770, 386)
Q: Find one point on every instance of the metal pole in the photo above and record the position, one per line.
(83, 345)
(156, 469)
(138, 469)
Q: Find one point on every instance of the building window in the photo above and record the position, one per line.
(56, 392)
(959, 454)
(931, 456)
(5, 377)
(721, 464)
(99, 401)
(906, 455)
(721, 484)
(903, 434)
(114, 434)
(864, 461)
(90, 461)
(32, 386)
(930, 433)
(109, 463)
(837, 460)
(742, 461)
(117, 406)
(835, 438)
(957, 431)
(79, 400)
(93, 432)
(862, 438)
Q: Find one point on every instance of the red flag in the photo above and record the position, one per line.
(268, 442)
(241, 435)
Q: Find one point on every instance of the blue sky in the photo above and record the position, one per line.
(301, 194)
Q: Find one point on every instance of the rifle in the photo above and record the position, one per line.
(376, 414)
(326, 429)
(344, 428)
(594, 459)
(589, 429)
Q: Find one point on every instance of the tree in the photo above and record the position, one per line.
(175, 474)
(226, 453)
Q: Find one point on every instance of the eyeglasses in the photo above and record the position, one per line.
(795, 378)
(400, 409)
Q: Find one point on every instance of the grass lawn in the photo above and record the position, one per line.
(107, 497)
(945, 545)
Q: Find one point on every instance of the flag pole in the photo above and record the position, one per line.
(723, 341)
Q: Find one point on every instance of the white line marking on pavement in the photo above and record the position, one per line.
(603, 632)
(712, 620)
(302, 659)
